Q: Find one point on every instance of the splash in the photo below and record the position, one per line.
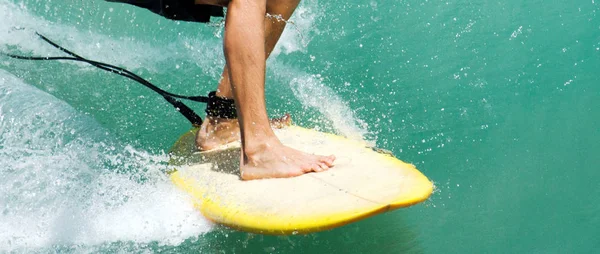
(66, 182)
(299, 30)
(314, 93)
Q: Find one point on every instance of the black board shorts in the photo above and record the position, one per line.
(184, 10)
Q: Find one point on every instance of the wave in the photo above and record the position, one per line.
(67, 182)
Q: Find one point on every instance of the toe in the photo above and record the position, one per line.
(287, 119)
(316, 167)
(282, 122)
(327, 160)
(307, 168)
(323, 166)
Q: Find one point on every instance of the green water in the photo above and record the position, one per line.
(496, 102)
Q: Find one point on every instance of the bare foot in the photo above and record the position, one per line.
(216, 132)
(274, 160)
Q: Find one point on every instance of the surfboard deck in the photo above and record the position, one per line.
(363, 183)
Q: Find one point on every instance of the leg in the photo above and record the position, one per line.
(273, 31)
(263, 155)
(216, 131)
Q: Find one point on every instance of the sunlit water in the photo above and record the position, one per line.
(496, 102)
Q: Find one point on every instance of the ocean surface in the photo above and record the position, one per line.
(497, 102)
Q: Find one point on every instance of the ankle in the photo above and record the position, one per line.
(253, 148)
(214, 121)
(224, 94)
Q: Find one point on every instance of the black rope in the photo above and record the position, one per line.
(169, 97)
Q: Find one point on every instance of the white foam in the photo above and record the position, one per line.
(66, 182)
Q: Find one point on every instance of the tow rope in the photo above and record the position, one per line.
(172, 98)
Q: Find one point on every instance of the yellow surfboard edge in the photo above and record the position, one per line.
(184, 151)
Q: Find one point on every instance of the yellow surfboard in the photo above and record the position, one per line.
(364, 182)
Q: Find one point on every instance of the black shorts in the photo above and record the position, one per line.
(184, 10)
